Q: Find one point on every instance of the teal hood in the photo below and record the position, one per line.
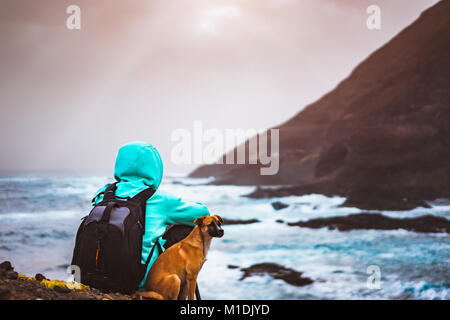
(138, 166)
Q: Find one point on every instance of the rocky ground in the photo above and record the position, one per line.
(14, 286)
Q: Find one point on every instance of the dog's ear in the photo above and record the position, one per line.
(219, 218)
(199, 221)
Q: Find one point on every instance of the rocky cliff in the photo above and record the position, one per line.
(382, 133)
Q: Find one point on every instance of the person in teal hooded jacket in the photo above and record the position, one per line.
(139, 166)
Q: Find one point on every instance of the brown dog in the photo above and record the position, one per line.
(174, 274)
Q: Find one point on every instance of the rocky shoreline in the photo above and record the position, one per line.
(238, 221)
(366, 198)
(365, 221)
(15, 286)
(377, 221)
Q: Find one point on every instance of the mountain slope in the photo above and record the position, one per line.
(383, 132)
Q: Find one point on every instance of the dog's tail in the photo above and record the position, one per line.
(150, 295)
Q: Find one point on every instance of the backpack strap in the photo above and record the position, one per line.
(150, 255)
(141, 199)
(110, 192)
(143, 196)
(107, 213)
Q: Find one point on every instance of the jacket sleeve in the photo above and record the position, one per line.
(181, 212)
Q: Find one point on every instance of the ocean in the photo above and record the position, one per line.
(40, 213)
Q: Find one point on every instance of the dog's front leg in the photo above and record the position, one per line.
(192, 286)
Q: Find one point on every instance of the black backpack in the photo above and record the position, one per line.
(108, 245)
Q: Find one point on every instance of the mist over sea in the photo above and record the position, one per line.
(39, 216)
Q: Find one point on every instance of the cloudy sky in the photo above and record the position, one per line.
(140, 70)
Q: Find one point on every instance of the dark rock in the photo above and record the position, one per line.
(5, 293)
(378, 221)
(237, 221)
(375, 198)
(39, 291)
(279, 221)
(278, 205)
(277, 272)
(385, 127)
(232, 266)
(86, 296)
(39, 277)
(6, 265)
(11, 275)
(61, 290)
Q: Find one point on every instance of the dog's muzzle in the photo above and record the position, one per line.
(215, 231)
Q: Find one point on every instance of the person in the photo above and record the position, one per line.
(139, 166)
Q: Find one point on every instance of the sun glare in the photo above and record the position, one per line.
(213, 17)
